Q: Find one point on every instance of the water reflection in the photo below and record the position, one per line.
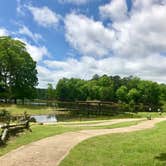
(45, 118)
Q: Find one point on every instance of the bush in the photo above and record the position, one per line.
(4, 116)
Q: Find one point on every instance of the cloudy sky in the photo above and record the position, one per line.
(80, 38)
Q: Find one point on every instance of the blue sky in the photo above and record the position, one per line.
(80, 38)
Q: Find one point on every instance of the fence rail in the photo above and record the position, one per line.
(11, 129)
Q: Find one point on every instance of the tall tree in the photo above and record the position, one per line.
(18, 73)
(50, 92)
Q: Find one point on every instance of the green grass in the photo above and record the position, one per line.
(143, 148)
(43, 131)
(31, 110)
(38, 132)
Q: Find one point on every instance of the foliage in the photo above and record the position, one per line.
(111, 88)
(50, 92)
(4, 116)
(121, 93)
(18, 74)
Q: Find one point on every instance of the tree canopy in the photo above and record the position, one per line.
(18, 74)
(111, 88)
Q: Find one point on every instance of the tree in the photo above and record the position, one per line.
(149, 92)
(18, 73)
(106, 93)
(62, 89)
(121, 93)
(133, 95)
(50, 92)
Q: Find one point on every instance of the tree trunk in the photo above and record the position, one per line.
(15, 101)
(23, 101)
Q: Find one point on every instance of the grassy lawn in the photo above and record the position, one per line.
(143, 148)
(31, 110)
(43, 131)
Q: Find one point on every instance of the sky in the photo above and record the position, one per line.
(80, 38)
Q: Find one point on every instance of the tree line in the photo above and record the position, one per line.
(109, 88)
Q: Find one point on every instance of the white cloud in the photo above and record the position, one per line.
(36, 52)
(88, 36)
(134, 44)
(25, 31)
(3, 32)
(44, 16)
(150, 68)
(116, 10)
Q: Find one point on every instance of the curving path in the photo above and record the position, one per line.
(106, 123)
(52, 150)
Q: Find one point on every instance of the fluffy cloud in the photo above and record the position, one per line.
(3, 32)
(115, 10)
(87, 36)
(44, 16)
(36, 52)
(25, 31)
(134, 44)
(142, 34)
(86, 67)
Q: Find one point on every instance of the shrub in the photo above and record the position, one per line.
(5, 116)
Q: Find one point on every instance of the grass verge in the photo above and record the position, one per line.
(145, 148)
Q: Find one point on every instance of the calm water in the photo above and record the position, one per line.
(45, 118)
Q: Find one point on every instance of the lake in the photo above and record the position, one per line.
(45, 118)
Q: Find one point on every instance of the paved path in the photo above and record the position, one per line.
(52, 150)
(106, 123)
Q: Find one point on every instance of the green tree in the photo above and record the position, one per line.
(18, 73)
(133, 95)
(50, 92)
(149, 92)
(121, 93)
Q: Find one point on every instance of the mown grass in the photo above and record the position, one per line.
(143, 148)
(43, 131)
(31, 110)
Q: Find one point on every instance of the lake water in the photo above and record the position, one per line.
(45, 118)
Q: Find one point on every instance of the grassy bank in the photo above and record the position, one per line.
(31, 110)
(66, 116)
(43, 131)
(137, 148)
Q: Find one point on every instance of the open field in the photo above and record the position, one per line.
(145, 148)
(43, 131)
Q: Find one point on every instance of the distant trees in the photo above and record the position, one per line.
(18, 74)
(50, 92)
(129, 90)
(121, 93)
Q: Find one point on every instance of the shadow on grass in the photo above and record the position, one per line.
(161, 157)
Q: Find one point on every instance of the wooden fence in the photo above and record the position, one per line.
(12, 129)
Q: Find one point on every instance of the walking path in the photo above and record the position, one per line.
(52, 150)
(106, 123)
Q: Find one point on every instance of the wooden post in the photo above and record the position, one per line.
(4, 135)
